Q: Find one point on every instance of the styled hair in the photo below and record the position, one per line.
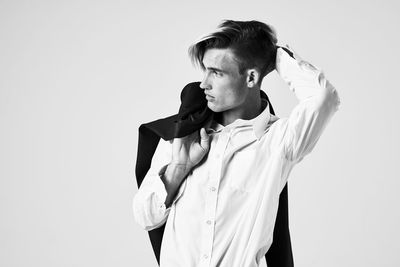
(253, 44)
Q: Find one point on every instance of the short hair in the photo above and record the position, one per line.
(253, 43)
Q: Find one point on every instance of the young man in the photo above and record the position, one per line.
(217, 189)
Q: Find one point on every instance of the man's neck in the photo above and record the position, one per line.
(250, 109)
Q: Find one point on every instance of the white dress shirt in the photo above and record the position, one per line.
(224, 212)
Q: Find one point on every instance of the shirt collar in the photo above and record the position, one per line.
(259, 124)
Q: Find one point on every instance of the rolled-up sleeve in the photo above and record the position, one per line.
(148, 205)
(318, 101)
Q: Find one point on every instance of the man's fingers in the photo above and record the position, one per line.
(204, 139)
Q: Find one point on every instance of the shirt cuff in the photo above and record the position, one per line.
(160, 190)
(303, 78)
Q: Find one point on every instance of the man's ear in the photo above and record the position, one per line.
(253, 77)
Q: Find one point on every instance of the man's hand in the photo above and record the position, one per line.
(188, 151)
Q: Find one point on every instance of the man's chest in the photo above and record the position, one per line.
(236, 162)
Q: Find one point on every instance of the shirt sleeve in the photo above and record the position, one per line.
(318, 101)
(149, 209)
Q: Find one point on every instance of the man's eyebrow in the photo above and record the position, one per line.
(214, 69)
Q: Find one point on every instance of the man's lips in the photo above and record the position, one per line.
(209, 98)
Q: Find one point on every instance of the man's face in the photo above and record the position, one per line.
(224, 86)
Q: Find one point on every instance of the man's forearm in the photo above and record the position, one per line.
(172, 178)
(318, 101)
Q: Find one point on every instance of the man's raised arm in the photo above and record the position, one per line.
(318, 101)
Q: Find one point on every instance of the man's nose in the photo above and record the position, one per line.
(205, 83)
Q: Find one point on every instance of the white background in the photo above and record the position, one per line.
(77, 78)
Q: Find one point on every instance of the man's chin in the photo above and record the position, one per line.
(213, 107)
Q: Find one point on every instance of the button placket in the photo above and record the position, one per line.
(208, 229)
(211, 198)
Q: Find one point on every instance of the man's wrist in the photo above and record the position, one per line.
(176, 172)
(172, 176)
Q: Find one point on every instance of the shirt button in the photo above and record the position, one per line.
(208, 222)
(205, 256)
(213, 189)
